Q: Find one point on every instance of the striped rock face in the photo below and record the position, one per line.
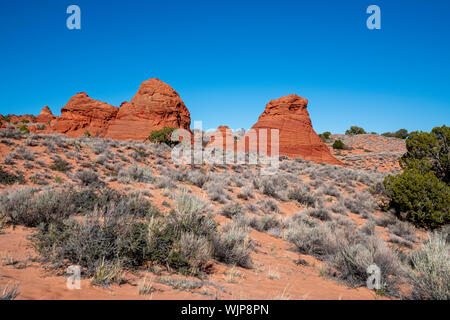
(155, 105)
(297, 138)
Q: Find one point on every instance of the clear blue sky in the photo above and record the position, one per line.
(227, 59)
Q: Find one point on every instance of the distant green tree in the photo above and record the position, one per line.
(24, 128)
(354, 130)
(401, 134)
(325, 136)
(163, 136)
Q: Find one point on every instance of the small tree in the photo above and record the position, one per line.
(401, 134)
(422, 197)
(325, 136)
(354, 130)
(163, 136)
(429, 152)
(24, 128)
(338, 144)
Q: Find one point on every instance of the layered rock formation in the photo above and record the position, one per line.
(155, 105)
(45, 116)
(297, 138)
(83, 114)
(222, 138)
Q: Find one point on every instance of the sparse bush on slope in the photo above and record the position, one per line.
(9, 178)
(339, 145)
(354, 130)
(163, 136)
(422, 197)
(9, 293)
(430, 276)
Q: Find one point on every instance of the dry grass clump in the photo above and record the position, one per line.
(430, 264)
(9, 293)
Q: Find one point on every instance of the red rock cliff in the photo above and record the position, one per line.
(297, 138)
(155, 105)
(83, 114)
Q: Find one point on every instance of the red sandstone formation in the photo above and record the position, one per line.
(155, 105)
(45, 116)
(227, 138)
(83, 114)
(297, 138)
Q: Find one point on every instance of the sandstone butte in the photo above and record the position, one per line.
(83, 114)
(297, 138)
(155, 105)
(46, 116)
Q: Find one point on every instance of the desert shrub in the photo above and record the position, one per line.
(404, 230)
(60, 165)
(190, 220)
(93, 242)
(269, 205)
(133, 204)
(30, 208)
(165, 183)
(430, 276)
(400, 134)
(197, 178)
(163, 136)
(354, 130)
(265, 223)
(320, 213)
(100, 146)
(9, 293)
(338, 144)
(331, 190)
(325, 136)
(385, 220)
(25, 153)
(6, 118)
(233, 246)
(247, 192)
(197, 250)
(24, 128)
(317, 240)
(216, 191)
(231, 209)
(107, 272)
(272, 186)
(339, 207)
(356, 253)
(358, 204)
(303, 196)
(136, 173)
(368, 228)
(88, 177)
(9, 178)
(422, 197)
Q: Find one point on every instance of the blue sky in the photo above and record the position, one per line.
(227, 59)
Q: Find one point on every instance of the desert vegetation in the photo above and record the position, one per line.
(136, 212)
